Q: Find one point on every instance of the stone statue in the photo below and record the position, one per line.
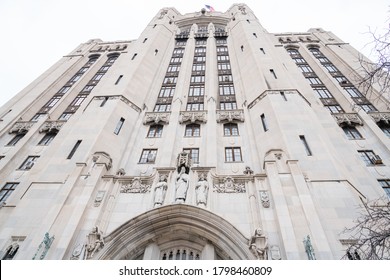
(259, 245)
(201, 189)
(309, 248)
(181, 185)
(160, 190)
(95, 242)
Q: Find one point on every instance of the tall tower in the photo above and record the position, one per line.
(205, 138)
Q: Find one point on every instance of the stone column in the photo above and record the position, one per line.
(208, 252)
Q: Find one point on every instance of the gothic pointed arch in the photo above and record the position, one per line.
(174, 226)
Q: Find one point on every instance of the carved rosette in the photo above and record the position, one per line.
(50, 126)
(229, 186)
(380, 116)
(192, 117)
(230, 116)
(21, 127)
(348, 118)
(156, 118)
(136, 185)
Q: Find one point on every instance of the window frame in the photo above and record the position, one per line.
(233, 154)
(192, 130)
(144, 158)
(230, 129)
(155, 131)
(7, 190)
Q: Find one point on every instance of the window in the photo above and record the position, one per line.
(194, 154)
(273, 73)
(74, 149)
(192, 130)
(170, 80)
(167, 91)
(11, 251)
(78, 100)
(225, 78)
(119, 79)
(195, 107)
(305, 144)
(200, 50)
(222, 49)
(262, 50)
(228, 106)
(367, 107)
(119, 126)
(196, 90)
(264, 122)
(7, 190)
(162, 108)
(199, 59)
(331, 68)
(353, 92)
(155, 131)
(305, 68)
(148, 156)
(385, 184)
(173, 68)
(283, 96)
(314, 81)
(369, 157)
(385, 128)
(352, 133)
(223, 66)
(87, 88)
(197, 79)
(64, 89)
(178, 51)
(226, 89)
(176, 60)
(65, 116)
(223, 57)
(230, 129)
(16, 139)
(104, 101)
(29, 163)
(323, 92)
(334, 109)
(47, 138)
(53, 101)
(198, 67)
(134, 56)
(233, 154)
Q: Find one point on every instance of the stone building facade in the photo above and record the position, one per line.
(205, 138)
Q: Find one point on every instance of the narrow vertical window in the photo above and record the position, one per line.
(304, 142)
(264, 122)
(74, 149)
(273, 73)
(262, 50)
(255, 35)
(119, 126)
(119, 79)
(145, 40)
(134, 55)
(104, 101)
(6, 191)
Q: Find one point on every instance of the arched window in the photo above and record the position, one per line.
(230, 129)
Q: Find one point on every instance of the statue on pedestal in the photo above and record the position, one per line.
(160, 190)
(201, 189)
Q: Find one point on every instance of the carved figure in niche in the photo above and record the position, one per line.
(202, 189)
(160, 190)
(259, 245)
(95, 242)
(181, 185)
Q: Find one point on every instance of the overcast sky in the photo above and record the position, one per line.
(37, 33)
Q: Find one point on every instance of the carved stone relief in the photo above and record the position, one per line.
(229, 116)
(275, 252)
(192, 117)
(160, 190)
(135, 186)
(229, 186)
(21, 127)
(264, 199)
(99, 198)
(248, 171)
(259, 245)
(377, 117)
(348, 118)
(51, 126)
(156, 118)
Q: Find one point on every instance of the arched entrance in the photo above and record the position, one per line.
(176, 232)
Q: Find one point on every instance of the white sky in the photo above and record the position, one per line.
(37, 33)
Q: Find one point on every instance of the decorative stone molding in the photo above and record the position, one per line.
(21, 127)
(248, 171)
(51, 126)
(380, 116)
(99, 198)
(264, 197)
(102, 158)
(76, 253)
(265, 93)
(348, 118)
(192, 117)
(242, 9)
(156, 118)
(230, 186)
(229, 116)
(121, 172)
(135, 186)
